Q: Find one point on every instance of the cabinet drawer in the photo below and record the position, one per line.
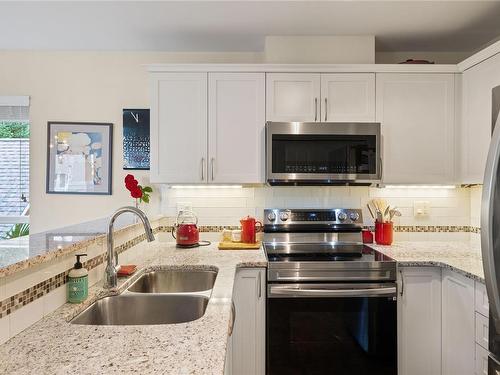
(481, 299)
(481, 366)
(482, 330)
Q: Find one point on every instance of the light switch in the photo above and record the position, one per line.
(421, 208)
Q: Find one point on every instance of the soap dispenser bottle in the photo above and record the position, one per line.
(78, 282)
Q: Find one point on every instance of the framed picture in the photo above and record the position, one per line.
(79, 158)
(136, 139)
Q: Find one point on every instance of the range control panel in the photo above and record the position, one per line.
(284, 216)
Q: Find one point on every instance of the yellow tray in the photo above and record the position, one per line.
(239, 246)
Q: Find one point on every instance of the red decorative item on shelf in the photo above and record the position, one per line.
(367, 236)
(384, 233)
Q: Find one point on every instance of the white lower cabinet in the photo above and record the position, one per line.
(458, 331)
(481, 360)
(439, 329)
(419, 321)
(247, 343)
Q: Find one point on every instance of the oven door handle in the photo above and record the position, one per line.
(280, 291)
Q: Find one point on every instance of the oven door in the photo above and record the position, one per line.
(341, 329)
(326, 153)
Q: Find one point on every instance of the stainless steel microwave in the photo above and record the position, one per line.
(328, 153)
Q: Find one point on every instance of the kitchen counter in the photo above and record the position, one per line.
(54, 346)
(462, 257)
(24, 252)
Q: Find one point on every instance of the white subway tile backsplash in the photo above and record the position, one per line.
(4, 329)
(26, 316)
(227, 206)
(53, 300)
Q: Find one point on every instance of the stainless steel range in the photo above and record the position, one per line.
(331, 301)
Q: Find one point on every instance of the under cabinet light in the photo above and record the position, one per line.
(420, 186)
(206, 186)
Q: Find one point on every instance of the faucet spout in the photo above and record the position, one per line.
(112, 267)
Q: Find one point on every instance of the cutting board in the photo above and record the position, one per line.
(239, 246)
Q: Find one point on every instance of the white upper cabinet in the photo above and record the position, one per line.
(179, 127)
(348, 97)
(314, 97)
(477, 85)
(293, 97)
(417, 113)
(236, 123)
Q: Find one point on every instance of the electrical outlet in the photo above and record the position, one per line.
(184, 206)
(421, 208)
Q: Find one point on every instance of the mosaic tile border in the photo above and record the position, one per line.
(15, 302)
(432, 229)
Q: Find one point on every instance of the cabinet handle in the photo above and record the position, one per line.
(233, 318)
(203, 169)
(315, 109)
(259, 287)
(212, 167)
(402, 283)
(326, 109)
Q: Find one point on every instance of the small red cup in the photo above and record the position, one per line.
(384, 233)
(367, 236)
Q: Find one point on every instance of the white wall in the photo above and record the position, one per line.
(84, 86)
(226, 206)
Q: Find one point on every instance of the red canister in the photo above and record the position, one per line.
(384, 233)
(249, 228)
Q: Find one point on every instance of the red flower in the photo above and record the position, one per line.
(136, 193)
(129, 178)
(131, 183)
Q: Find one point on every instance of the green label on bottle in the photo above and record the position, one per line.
(78, 289)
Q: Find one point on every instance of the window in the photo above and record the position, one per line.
(14, 166)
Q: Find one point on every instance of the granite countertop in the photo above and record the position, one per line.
(54, 346)
(24, 252)
(463, 257)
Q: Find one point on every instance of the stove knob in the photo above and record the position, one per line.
(284, 216)
(354, 216)
(342, 216)
(271, 216)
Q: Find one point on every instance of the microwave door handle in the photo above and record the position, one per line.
(280, 291)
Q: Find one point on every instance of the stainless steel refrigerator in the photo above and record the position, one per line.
(490, 234)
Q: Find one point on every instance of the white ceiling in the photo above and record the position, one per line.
(242, 25)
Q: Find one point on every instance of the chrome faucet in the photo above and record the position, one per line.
(111, 272)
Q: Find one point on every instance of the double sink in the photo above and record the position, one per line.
(166, 296)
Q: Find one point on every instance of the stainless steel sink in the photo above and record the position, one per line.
(174, 281)
(141, 309)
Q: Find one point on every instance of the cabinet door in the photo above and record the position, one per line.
(293, 97)
(417, 116)
(248, 337)
(458, 324)
(419, 321)
(348, 97)
(236, 124)
(179, 128)
(481, 361)
(477, 85)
